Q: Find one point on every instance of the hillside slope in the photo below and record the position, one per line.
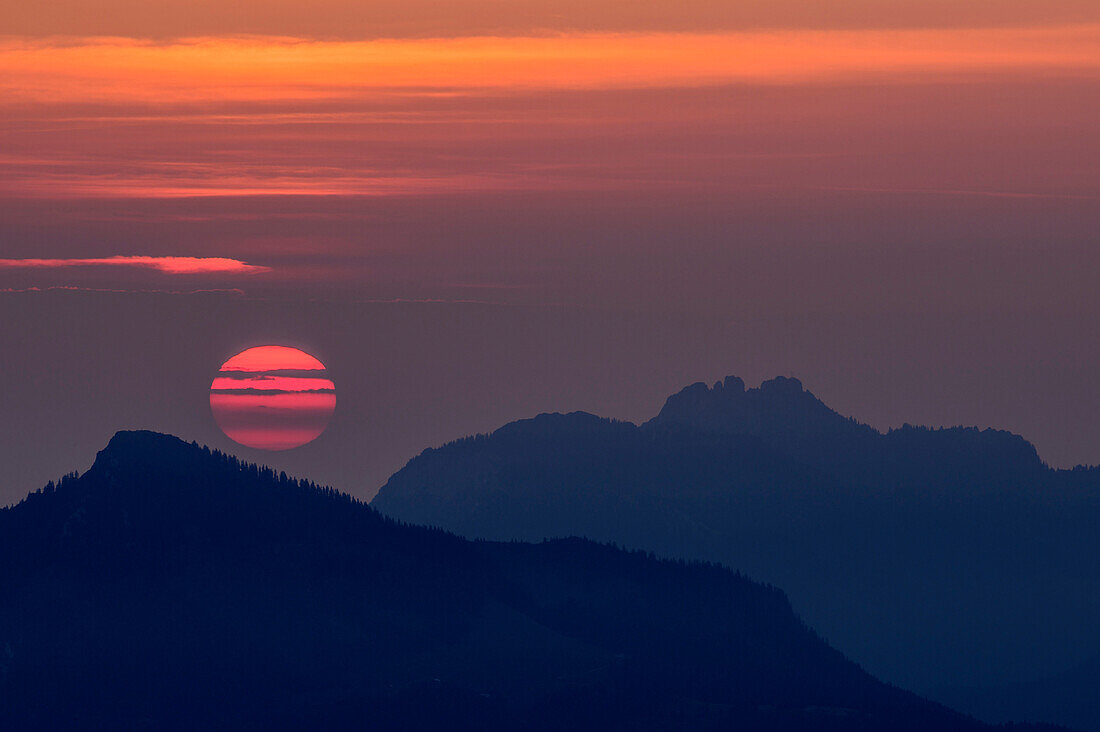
(170, 587)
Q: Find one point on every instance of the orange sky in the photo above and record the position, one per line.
(250, 69)
(987, 101)
(358, 19)
(230, 116)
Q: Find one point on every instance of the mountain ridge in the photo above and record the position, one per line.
(870, 533)
(784, 414)
(171, 586)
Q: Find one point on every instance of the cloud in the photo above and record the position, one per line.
(273, 384)
(356, 19)
(961, 192)
(267, 375)
(116, 291)
(267, 69)
(228, 117)
(270, 392)
(167, 265)
(257, 117)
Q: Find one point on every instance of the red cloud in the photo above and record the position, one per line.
(168, 265)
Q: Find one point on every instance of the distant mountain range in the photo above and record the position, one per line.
(934, 557)
(171, 587)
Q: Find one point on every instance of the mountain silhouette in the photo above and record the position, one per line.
(934, 557)
(788, 418)
(172, 587)
(1070, 696)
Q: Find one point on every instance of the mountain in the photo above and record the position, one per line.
(790, 419)
(1070, 696)
(171, 587)
(933, 557)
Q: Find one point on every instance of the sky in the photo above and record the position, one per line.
(477, 210)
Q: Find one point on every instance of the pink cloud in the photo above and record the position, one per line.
(167, 265)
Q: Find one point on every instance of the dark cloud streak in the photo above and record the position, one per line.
(270, 392)
(358, 19)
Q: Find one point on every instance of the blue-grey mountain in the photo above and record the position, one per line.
(935, 557)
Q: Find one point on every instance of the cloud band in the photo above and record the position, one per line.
(166, 265)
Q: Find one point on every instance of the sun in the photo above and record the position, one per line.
(272, 398)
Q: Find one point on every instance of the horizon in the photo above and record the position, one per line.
(265, 457)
